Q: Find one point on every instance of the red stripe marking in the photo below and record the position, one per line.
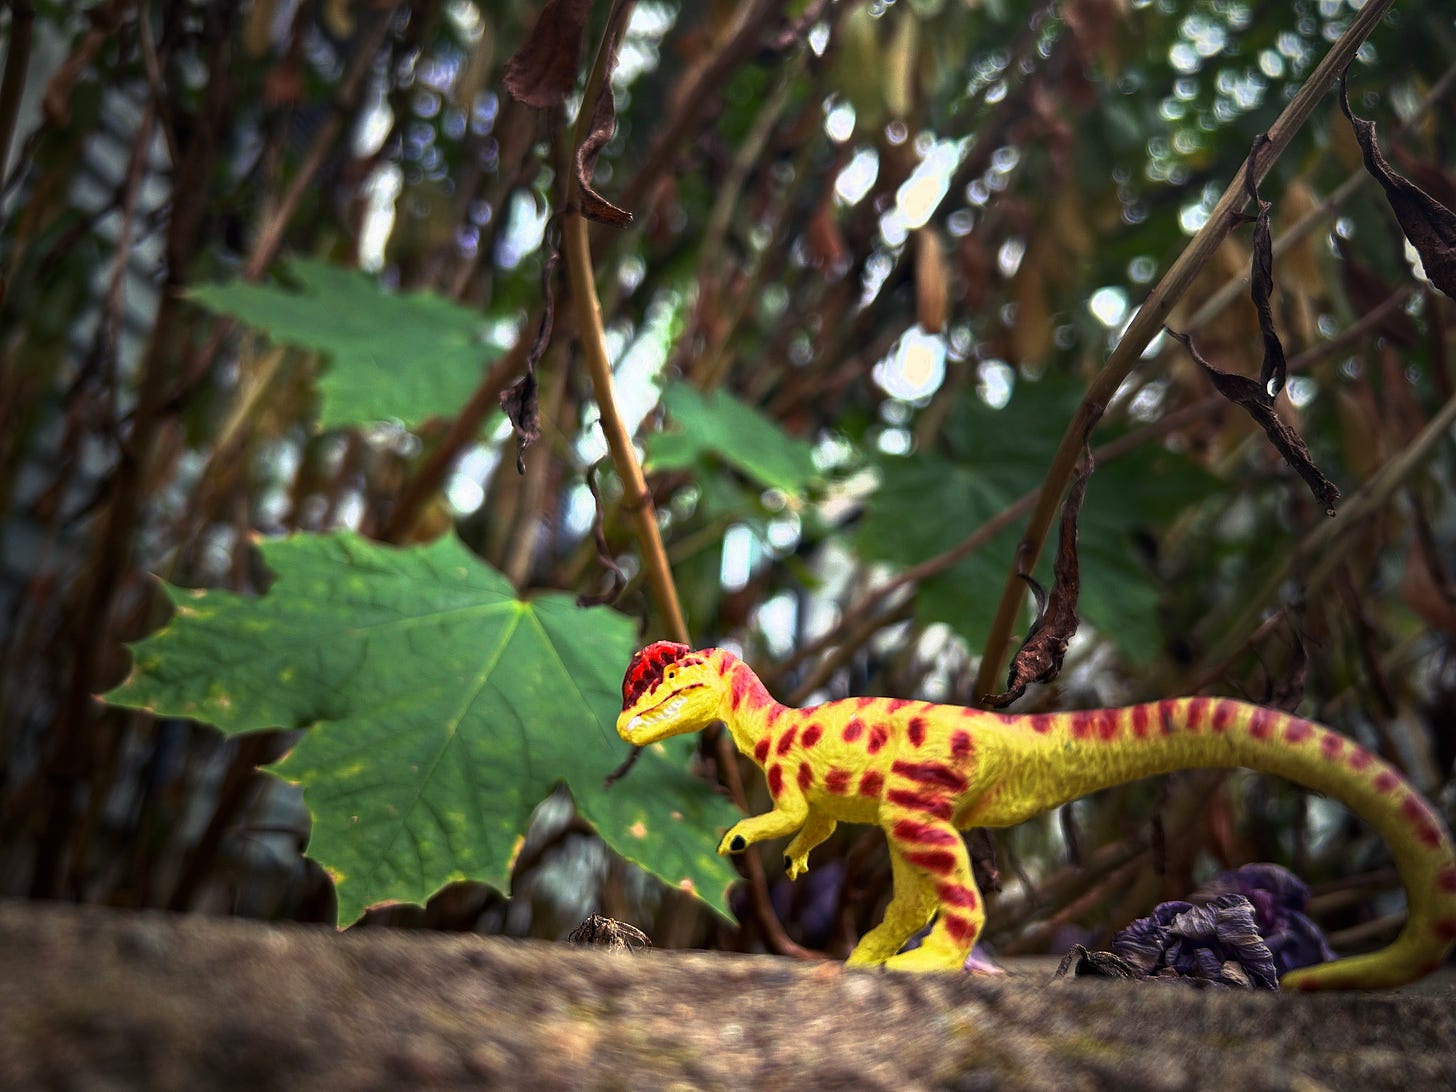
(775, 779)
(740, 687)
(1106, 721)
(896, 703)
(1168, 716)
(812, 735)
(1140, 721)
(837, 781)
(1386, 781)
(871, 783)
(956, 894)
(787, 740)
(853, 730)
(878, 736)
(916, 731)
(865, 703)
(1223, 715)
(806, 776)
(1081, 725)
(958, 927)
(940, 861)
(776, 712)
(913, 830)
(960, 743)
(1195, 712)
(1359, 757)
(1331, 745)
(1042, 722)
(930, 773)
(976, 712)
(1261, 724)
(1446, 879)
(1297, 731)
(760, 750)
(936, 806)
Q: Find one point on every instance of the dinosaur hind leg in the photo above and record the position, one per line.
(935, 851)
(910, 908)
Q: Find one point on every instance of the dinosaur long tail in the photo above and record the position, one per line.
(1085, 751)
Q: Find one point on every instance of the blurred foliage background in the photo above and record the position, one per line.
(878, 250)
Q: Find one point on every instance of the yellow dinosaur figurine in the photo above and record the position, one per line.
(923, 771)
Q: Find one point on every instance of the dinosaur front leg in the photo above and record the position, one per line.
(911, 904)
(796, 857)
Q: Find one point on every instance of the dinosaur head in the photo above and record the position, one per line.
(669, 689)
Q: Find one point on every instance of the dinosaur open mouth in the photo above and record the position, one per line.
(664, 710)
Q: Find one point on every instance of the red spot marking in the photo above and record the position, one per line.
(976, 712)
(853, 730)
(812, 735)
(776, 712)
(1386, 781)
(913, 830)
(787, 740)
(916, 731)
(930, 773)
(1042, 722)
(1168, 716)
(1359, 757)
(1223, 715)
(1297, 731)
(940, 861)
(1445, 928)
(1261, 724)
(1195, 712)
(1331, 745)
(837, 781)
(1446, 879)
(1307, 986)
(878, 737)
(760, 750)
(865, 703)
(897, 703)
(871, 783)
(935, 806)
(956, 894)
(958, 927)
(960, 744)
(1140, 721)
(806, 776)
(1421, 818)
(1106, 721)
(738, 688)
(775, 779)
(1081, 725)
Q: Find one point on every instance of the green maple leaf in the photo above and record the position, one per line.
(926, 504)
(719, 425)
(440, 710)
(409, 356)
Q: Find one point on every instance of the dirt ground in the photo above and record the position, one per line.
(98, 999)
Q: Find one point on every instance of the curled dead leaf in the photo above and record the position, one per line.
(1429, 225)
(543, 71)
(930, 281)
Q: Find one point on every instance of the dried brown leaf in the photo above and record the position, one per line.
(603, 124)
(520, 400)
(543, 71)
(1040, 657)
(930, 281)
(1247, 393)
(1429, 225)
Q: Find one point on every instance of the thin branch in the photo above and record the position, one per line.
(17, 64)
(1149, 320)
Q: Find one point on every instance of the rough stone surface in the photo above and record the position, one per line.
(92, 999)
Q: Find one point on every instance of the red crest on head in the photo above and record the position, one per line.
(646, 668)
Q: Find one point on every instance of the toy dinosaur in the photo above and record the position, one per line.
(923, 772)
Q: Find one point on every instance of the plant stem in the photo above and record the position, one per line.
(17, 62)
(1148, 322)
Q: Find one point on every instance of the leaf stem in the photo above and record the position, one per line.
(1147, 323)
